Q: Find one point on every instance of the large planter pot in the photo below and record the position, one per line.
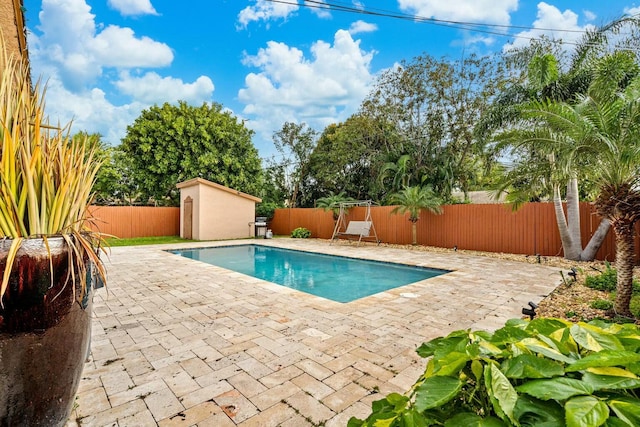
(45, 331)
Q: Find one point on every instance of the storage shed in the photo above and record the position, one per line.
(210, 211)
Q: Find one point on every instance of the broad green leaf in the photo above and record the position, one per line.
(451, 364)
(585, 411)
(627, 409)
(606, 382)
(489, 349)
(449, 343)
(412, 418)
(468, 419)
(612, 371)
(488, 381)
(616, 422)
(473, 350)
(530, 366)
(531, 412)
(635, 368)
(477, 368)
(555, 388)
(537, 346)
(502, 391)
(547, 326)
(594, 338)
(517, 323)
(355, 422)
(565, 344)
(509, 334)
(630, 342)
(436, 391)
(604, 358)
(397, 400)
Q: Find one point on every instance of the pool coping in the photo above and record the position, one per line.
(436, 271)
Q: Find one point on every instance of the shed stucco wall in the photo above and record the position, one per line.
(224, 215)
(218, 212)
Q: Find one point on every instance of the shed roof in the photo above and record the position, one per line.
(202, 181)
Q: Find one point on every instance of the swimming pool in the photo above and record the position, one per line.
(337, 278)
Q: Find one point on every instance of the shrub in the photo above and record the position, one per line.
(607, 280)
(549, 372)
(602, 304)
(301, 233)
(266, 209)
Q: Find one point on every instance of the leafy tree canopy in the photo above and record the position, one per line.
(169, 144)
(432, 105)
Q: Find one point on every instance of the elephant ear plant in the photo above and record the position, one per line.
(547, 372)
(45, 176)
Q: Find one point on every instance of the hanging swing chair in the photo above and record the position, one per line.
(355, 230)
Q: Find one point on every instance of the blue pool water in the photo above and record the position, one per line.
(337, 278)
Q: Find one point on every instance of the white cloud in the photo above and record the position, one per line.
(324, 89)
(133, 7)
(71, 51)
(70, 40)
(90, 111)
(548, 19)
(322, 11)
(265, 10)
(486, 11)
(150, 88)
(589, 16)
(632, 10)
(362, 27)
(119, 47)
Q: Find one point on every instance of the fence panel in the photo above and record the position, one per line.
(136, 221)
(494, 228)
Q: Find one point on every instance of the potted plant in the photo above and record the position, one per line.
(48, 255)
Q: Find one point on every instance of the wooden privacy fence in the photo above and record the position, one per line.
(136, 221)
(493, 228)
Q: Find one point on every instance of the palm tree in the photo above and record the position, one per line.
(602, 131)
(549, 78)
(413, 200)
(332, 203)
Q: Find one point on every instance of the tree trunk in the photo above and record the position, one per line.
(414, 233)
(573, 214)
(589, 253)
(571, 250)
(624, 265)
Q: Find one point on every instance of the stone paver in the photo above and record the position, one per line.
(179, 342)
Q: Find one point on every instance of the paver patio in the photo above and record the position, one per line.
(177, 342)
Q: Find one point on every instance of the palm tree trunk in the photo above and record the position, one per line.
(414, 233)
(589, 252)
(571, 250)
(624, 265)
(573, 214)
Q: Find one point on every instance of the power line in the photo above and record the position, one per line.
(469, 26)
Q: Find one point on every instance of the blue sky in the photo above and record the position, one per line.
(268, 62)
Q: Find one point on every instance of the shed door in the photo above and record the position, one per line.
(187, 219)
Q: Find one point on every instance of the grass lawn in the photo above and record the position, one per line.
(136, 241)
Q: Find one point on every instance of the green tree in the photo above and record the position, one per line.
(112, 186)
(346, 160)
(175, 143)
(430, 106)
(601, 131)
(413, 200)
(295, 143)
(273, 192)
